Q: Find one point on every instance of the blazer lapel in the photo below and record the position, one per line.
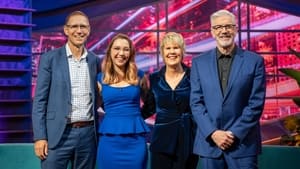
(65, 70)
(215, 73)
(92, 71)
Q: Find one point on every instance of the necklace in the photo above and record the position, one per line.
(174, 79)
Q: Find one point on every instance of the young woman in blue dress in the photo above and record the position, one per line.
(122, 141)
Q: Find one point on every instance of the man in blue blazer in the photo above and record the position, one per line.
(64, 109)
(227, 99)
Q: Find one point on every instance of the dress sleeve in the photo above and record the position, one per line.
(141, 74)
(99, 78)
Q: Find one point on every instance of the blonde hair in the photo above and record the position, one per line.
(110, 76)
(172, 37)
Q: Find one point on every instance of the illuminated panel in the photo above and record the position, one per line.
(190, 19)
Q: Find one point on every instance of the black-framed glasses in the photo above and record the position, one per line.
(227, 27)
(81, 26)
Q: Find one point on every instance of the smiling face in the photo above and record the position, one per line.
(223, 29)
(77, 29)
(120, 53)
(172, 53)
(172, 48)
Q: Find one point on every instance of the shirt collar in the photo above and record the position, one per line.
(69, 53)
(220, 55)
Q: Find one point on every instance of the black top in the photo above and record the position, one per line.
(224, 66)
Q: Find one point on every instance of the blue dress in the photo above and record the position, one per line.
(122, 142)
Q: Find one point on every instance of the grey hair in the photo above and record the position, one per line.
(220, 13)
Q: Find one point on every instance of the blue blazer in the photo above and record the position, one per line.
(240, 108)
(52, 101)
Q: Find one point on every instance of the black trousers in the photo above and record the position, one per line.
(167, 161)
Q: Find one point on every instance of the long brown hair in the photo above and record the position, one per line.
(110, 76)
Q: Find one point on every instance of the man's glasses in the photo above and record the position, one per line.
(227, 27)
(75, 27)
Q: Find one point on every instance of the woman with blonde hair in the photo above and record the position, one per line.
(174, 129)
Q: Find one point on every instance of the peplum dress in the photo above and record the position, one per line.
(122, 140)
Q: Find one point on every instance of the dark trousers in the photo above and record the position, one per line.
(77, 147)
(167, 161)
(227, 162)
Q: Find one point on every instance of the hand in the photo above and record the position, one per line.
(41, 149)
(223, 139)
(100, 111)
